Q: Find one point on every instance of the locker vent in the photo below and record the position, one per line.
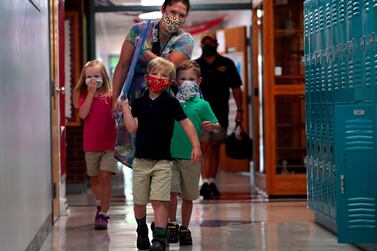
(323, 79)
(306, 23)
(311, 28)
(312, 80)
(359, 134)
(358, 74)
(350, 74)
(336, 77)
(368, 71)
(328, 15)
(366, 5)
(342, 11)
(316, 20)
(329, 79)
(321, 19)
(317, 81)
(375, 61)
(374, 3)
(361, 213)
(334, 12)
(356, 7)
(349, 9)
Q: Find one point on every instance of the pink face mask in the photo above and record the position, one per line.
(158, 85)
(171, 23)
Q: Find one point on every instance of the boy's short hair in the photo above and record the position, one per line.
(164, 65)
(189, 65)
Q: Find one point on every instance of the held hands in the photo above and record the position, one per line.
(196, 154)
(125, 105)
(239, 117)
(207, 126)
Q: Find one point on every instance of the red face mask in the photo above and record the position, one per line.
(158, 85)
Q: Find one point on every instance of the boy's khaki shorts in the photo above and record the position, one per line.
(100, 161)
(151, 180)
(185, 179)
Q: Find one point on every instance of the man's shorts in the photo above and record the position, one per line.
(215, 137)
(185, 179)
(151, 180)
(100, 161)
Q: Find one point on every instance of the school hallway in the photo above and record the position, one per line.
(239, 220)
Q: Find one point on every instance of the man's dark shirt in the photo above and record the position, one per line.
(156, 125)
(218, 77)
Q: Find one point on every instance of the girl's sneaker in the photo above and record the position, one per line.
(184, 236)
(101, 222)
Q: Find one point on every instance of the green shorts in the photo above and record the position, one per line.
(100, 161)
(185, 179)
(151, 180)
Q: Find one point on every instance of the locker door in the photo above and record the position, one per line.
(356, 171)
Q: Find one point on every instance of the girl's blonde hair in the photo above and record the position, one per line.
(82, 89)
(162, 65)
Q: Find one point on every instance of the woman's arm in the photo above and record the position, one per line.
(121, 70)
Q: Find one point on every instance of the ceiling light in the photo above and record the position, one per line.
(151, 15)
(151, 2)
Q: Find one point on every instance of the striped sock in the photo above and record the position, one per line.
(159, 233)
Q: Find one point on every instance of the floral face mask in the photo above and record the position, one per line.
(171, 23)
(188, 90)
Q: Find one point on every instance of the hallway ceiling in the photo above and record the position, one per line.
(159, 2)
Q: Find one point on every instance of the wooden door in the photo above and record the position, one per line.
(57, 99)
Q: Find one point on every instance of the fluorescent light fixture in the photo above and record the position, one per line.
(151, 15)
(151, 2)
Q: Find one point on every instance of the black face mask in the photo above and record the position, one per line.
(209, 50)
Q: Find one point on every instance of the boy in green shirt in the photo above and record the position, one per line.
(185, 173)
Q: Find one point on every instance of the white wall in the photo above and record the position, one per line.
(25, 150)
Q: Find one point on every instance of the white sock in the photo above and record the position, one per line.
(211, 180)
(103, 213)
(174, 222)
(98, 202)
(205, 181)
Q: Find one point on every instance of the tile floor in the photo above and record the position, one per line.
(240, 220)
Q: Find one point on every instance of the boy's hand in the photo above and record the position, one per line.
(207, 126)
(125, 105)
(196, 154)
(92, 87)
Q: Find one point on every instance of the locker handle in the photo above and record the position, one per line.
(371, 40)
(363, 43)
(342, 184)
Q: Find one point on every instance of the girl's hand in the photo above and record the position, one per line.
(92, 87)
(207, 126)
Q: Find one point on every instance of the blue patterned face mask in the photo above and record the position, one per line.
(188, 90)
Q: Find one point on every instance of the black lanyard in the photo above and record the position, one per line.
(156, 46)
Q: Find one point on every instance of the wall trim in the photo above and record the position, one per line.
(41, 235)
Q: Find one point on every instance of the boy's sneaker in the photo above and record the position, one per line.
(172, 233)
(205, 191)
(213, 190)
(142, 242)
(184, 236)
(101, 222)
(157, 245)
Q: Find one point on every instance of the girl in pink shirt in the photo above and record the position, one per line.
(93, 98)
